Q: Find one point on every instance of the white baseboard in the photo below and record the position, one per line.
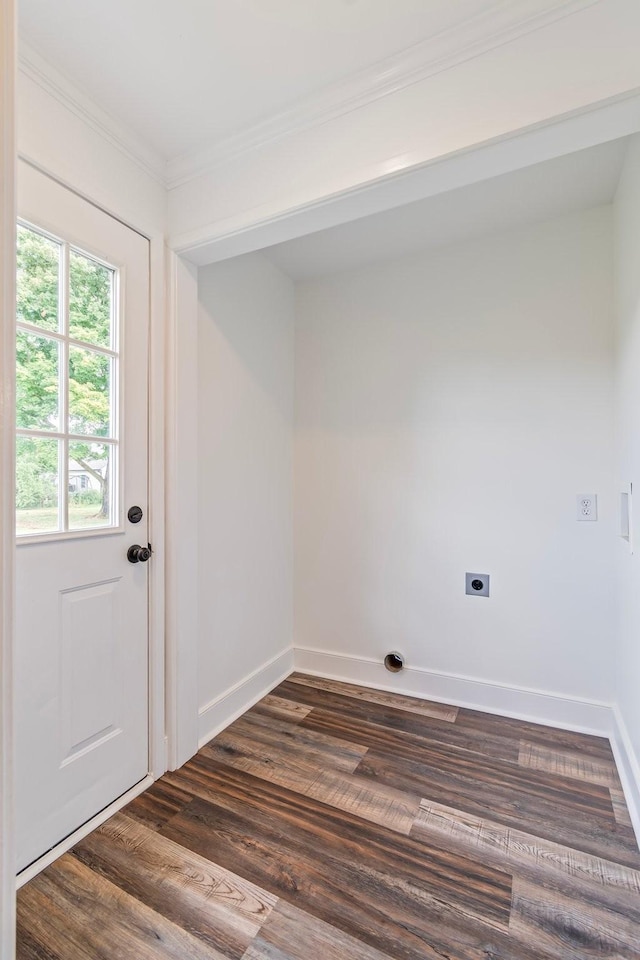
(552, 709)
(628, 767)
(233, 702)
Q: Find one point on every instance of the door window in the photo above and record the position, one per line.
(67, 429)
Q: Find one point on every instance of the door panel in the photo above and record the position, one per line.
(90, 705)
(81, 612)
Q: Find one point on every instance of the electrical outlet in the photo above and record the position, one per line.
(587, 504)
(476, 584)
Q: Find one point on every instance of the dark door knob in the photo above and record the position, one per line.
(138, 554)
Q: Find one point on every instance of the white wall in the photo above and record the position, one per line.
(245, 474)
(627, 260)
(449, 408)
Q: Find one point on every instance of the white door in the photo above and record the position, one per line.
(81, 451)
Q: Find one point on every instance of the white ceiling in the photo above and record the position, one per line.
(187, 74)
(556, 187)
(192, 77)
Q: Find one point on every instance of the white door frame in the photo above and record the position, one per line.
(182, 511)
(7, 470)
(157, 508)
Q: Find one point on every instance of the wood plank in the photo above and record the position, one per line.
(322, 831)
(411, 746)
(82, 916)
(272, 706)
(425, 708)
(401, 720)
(28, 948)
(380, 803)
(305, 749)
(532, 792)
(620, 809)
(211, 903)
(291, 770)
(587, 880)
(45, 926)
(157, 804)
(534, 732)
(385, 907)
(292, 934)
(568, 763)
(569, 930)
(569, 812)
(336, 752)
(517, 850)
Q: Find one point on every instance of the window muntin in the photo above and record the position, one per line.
(67, 444)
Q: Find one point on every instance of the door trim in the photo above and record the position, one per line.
(7, 468)
(157, 507)
(182, 511)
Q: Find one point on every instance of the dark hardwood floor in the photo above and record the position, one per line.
(333, 822)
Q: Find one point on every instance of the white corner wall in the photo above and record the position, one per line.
(627, 289)
(449, 409)
(245, 475)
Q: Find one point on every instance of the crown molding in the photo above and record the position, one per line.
(500, 24)
(53, 82)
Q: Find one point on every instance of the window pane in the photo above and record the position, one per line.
(90, 293)
(37, 279)
(37, 485)
(37, 367)
(91, 469)
(89, 392)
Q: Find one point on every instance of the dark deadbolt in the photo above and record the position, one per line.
(138, 554)
(135, 514)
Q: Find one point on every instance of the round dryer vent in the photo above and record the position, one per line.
(394, 661)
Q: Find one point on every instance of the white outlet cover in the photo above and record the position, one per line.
(587, 506)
